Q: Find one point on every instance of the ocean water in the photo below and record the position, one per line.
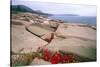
(77, 19)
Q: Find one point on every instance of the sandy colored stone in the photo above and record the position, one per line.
(53, 24)
(66, 30)
(24, 41)
(20, 22)
(81, 47)
(37, 61)
(39, 30)
(48, 37)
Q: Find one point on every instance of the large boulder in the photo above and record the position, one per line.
(24, 41)
(80, 47)
(54, 24)
(76, 30)
(39, 29)
(79, 39)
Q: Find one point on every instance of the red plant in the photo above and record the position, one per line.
(46, 54)
(56, 58)
(67, 58)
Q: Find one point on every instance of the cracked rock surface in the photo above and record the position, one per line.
(30, 32)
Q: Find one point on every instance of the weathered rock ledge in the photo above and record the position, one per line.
(31, 32)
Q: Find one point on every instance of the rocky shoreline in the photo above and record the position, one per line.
(32, 33)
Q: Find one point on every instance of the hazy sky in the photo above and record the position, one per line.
(58, 8)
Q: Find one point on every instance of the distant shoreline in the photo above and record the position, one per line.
(75, 19)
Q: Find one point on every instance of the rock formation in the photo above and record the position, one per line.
(30, 33)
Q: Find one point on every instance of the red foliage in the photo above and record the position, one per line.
(46, 54)
(56, 58)
(67, 58)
